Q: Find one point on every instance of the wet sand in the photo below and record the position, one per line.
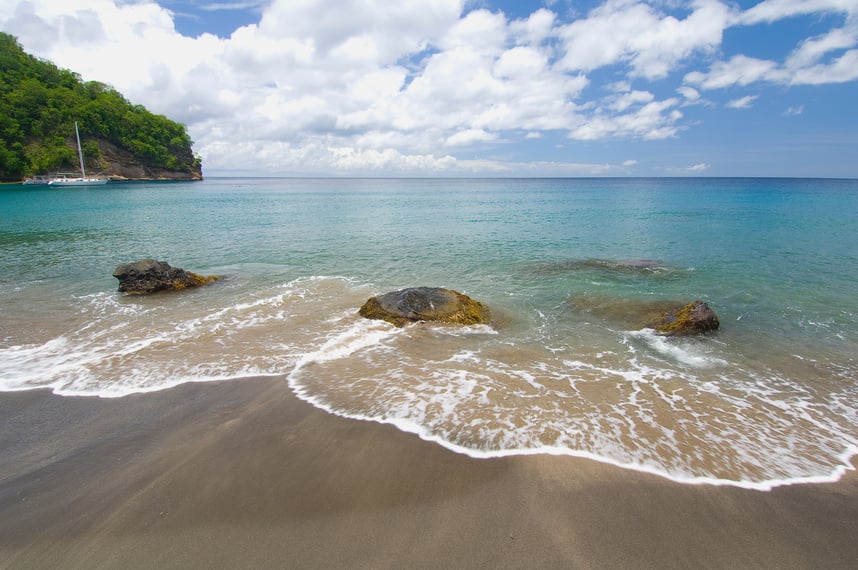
(243, 474)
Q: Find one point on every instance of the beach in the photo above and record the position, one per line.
(244, 474)
(261, 422)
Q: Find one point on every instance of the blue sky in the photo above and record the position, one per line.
(477, 87)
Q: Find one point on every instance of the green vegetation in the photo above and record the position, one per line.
(693, 318)
(40, 102)
(194, 280)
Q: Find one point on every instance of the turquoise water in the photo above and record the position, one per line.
(566, 366)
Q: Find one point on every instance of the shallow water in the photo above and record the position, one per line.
(565, 367)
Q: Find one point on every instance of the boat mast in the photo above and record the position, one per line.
(79, 151)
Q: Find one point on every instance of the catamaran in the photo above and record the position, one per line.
(82, 180)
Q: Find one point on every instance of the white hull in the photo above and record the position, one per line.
(78, 182)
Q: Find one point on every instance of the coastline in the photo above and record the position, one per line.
(117, 178)
(244, 474)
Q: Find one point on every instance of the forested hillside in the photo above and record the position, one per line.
(39, 104)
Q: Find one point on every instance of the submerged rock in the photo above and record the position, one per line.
(608, 266)
(668, 318)
(629, 313)
(623, 265)
(693, 318)
(425, 304)
(151, 276)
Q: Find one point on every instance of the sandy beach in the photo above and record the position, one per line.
(242, 474)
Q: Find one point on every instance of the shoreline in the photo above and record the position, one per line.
(849, 457)
(244, 473)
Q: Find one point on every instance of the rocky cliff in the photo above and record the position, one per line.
(120, 164)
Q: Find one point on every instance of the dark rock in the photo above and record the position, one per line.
(151, 276)
(693, 318)
(425, 304)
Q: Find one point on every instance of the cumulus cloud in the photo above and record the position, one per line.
(636, 32)
(654, 120)
(470, 136)
(801, 68)
(828, 58)
(413, 87)
(840, 70)
(740, 70)
(697, 168)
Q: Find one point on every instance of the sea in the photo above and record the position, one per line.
(571, 270)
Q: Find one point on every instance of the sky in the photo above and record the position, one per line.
(496, 88)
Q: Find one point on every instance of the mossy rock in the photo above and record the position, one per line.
(693, 318)
(425, 304)
(151, 276)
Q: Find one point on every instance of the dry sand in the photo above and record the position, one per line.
(242, 474)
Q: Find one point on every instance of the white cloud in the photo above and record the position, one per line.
(700, 167)
(626, 100)
(651, 42)
(841, 70)
(689, 93)
(535, 29)
(520, 62)
(470, 136)
(652, 120)
(741, 103)
(355, 160)
(794, 111)
(800, 69)
(535, 168)
(813, 50)
(393, 27)
(480, 31)
(740, 70)
(773, 10)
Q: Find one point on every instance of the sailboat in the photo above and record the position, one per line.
(64, 180)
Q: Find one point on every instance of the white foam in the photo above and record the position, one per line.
(363, 333)
(678, 350)
(128, 345)
(420, 429)
(436, 401)
(460, 331)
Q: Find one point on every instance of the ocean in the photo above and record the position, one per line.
(569, 268)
